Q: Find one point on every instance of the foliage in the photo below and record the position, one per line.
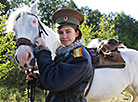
(3, 7)
(106, 30)
(126, 28)
(71, 4)
(93, 16)
(87, 33)
(7, 46)
(48, 7)
(96, 25)
(124, 97)
(14, 89)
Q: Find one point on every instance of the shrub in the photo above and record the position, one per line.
(7, 48)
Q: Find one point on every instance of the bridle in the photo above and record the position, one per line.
(25, 41)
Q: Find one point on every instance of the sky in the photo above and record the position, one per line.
(129, 7)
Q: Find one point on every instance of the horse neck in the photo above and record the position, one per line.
(52, 40)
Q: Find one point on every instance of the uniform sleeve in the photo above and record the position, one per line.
(58, 77)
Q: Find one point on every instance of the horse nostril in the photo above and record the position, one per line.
(32, 62)
(25, 65)
(21, 67)
(29, 56)
(107, 51)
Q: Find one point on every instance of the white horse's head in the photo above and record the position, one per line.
(28, 28)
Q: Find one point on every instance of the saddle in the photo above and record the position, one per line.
(107, 55)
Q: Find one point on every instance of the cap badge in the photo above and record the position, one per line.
(65, 18)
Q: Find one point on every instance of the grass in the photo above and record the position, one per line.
(124, 97)
(14, 89)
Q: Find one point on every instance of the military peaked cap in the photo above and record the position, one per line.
(67, 16)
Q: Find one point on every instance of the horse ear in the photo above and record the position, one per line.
(34, 7)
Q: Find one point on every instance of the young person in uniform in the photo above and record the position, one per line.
(67, 76)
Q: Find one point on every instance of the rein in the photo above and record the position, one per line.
(25, 41)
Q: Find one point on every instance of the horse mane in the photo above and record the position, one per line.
(14, 15)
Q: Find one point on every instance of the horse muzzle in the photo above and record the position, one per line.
(26, 64)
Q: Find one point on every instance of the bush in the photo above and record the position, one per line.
(14, 89)
(7, 48)
(106, 30)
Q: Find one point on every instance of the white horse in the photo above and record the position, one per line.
(26, 24)
(107, 83)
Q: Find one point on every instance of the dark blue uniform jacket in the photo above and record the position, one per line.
(65, 75)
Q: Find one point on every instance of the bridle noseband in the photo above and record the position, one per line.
(24, 41)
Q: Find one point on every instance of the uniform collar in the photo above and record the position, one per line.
(62, 50)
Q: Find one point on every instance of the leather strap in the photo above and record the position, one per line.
(90, 83)
(92, 77)
(24, 41)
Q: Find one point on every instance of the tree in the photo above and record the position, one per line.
(87, 31)
(93, 16)
(6, 7)
(106, 30)
(72, 5)
(48, 7)
(7, 46)
(127, 30)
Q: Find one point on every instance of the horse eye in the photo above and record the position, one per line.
(34, 22)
